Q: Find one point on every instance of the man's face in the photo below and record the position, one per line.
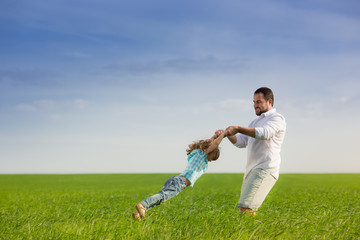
(260, 104)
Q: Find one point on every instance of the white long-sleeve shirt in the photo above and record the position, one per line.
(264, 149)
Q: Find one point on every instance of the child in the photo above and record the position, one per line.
(199, 154)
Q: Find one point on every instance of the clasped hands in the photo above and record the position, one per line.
(229, 131)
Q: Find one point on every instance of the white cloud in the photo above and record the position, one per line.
(228, 105)
(342, 100)
(203, 64)
(236, 104)
(45, 104)
(26, 107)
(48, 105)
(54, 116)
(204, 109)
(80, 103)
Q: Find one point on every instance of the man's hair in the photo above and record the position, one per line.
(268, 94)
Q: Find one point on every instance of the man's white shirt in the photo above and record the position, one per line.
(264, 150)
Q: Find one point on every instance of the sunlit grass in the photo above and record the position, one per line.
(301, 206)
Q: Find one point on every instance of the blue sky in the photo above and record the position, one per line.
(124, 86)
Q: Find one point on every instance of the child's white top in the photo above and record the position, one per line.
(197, 165)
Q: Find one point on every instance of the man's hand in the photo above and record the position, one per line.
(231, 131)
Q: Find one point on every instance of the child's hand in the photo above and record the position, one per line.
(216, 140)
(218, 132)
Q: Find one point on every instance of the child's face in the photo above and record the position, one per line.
(214, 155)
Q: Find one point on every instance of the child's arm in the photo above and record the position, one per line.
(215, 143)
(216, 134)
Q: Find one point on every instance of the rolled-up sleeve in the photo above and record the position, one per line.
(273, 126)
(242, 140)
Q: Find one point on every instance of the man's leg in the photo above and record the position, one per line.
(254, 190)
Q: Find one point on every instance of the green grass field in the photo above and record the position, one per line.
(300, 206)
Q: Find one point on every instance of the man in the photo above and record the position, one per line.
(263, 138)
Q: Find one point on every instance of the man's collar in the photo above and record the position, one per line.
(265, 114)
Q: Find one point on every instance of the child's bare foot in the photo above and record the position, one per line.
(141, 209)
(136, 215)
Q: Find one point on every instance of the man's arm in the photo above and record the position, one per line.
(232, 130)
(232, 139)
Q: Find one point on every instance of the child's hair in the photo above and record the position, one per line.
(203, 145)
(217, 154)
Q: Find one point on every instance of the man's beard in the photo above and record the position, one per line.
(261, 112)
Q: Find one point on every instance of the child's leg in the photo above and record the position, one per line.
(172, 187)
